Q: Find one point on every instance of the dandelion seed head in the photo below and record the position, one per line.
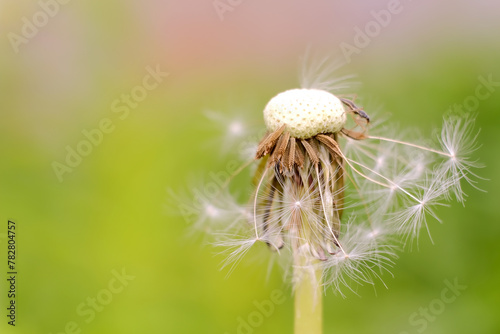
(305, 112)
(315, 170)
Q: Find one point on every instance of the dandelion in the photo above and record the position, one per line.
(332, 199)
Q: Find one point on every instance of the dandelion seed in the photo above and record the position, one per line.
(363, 262)
(460, 141)
(234, 248)
(234, 130)
(413, 216)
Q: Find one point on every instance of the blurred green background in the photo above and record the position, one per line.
(112, 210)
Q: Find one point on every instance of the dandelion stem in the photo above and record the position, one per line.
(308, 297)
(410, 144)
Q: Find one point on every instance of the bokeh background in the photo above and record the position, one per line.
(114, 209)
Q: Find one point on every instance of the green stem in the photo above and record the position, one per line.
(308, 300)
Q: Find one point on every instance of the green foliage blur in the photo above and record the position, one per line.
(113, 211)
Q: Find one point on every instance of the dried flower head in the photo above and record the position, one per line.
(335, 195)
